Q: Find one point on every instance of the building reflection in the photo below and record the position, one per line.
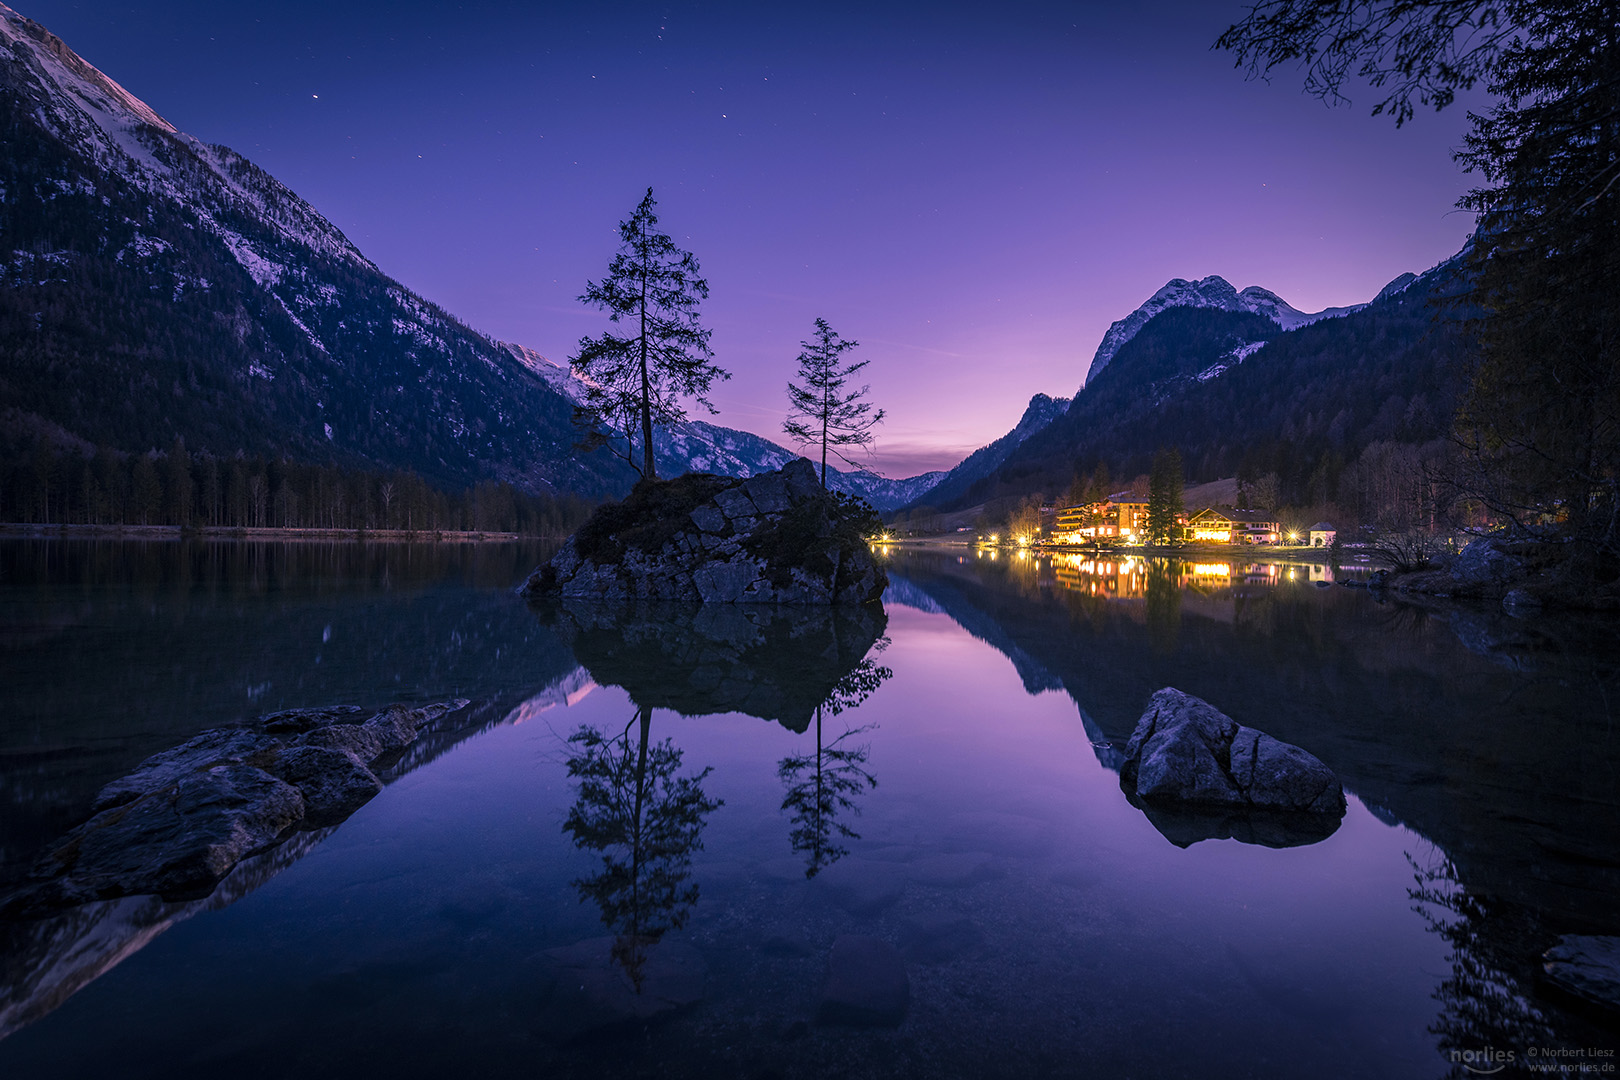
(1128, 577)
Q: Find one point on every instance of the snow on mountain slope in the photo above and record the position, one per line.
(85, 109)
(172, 289)
(1211, 292)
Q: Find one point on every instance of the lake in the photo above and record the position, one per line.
(635, 852)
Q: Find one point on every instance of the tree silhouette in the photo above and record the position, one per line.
(646, 822)
(636, 379)
(1164, 498)
(1538, 427)
(822, 414)
(825, 783)
(1488, 999)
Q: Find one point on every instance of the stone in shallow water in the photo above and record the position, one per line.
(787, 942)
(940, 937)
(1587, 966)
(866, 984)
(178, 844)
(955, 870)
(180, 821)
(1184, 750)
(592, 990)
(334, 783)
(861, 886)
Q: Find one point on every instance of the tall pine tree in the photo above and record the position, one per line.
(636, 377)
(1164, 498)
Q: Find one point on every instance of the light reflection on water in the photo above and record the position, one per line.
(418, 936)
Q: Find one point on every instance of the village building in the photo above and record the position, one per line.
(1224, 525)
(1121, 517)
(1322, 534)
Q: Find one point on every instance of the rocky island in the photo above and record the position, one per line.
(776, 537)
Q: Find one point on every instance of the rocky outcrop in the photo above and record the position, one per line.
(1485, 567)
(1587, 966)
(180, 822)
(773, 538)
(1194, 762)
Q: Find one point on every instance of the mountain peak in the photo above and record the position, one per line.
(87, 111)
(1210, 292)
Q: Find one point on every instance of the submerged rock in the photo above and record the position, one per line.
(941, 937)
(866, 984)
(862, 886)
(1186, 758)
(183, 819)
(1587, 966)
(773, 538)
(605, 982)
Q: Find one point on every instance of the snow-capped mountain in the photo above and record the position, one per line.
(1212, 292)
(154, 287)
(699, 446)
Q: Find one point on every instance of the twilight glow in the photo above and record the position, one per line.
(974, 196)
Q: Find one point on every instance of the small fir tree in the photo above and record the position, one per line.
(822, 413)
(635, 379)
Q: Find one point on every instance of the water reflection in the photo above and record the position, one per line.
(111, 652)
(823, 785)
(775, 662)
(645, 821)
(1485, 1001)
(1494, 737)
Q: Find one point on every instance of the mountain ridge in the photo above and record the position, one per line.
(159, 288)
(1040, 413)
(1210, 292)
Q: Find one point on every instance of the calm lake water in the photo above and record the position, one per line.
(940, 775)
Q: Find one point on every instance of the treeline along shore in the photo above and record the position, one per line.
(104, 490)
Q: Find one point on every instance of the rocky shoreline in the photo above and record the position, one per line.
(1521, 577)
(178, 824)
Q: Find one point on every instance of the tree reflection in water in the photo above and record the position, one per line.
(1164, 603)
(1483, 1003)
(824, 784)
(646, 822)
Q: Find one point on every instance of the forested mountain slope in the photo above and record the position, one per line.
(1235, 393)
(154, 287)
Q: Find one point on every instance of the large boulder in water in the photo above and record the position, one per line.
(1187, 757)
(183, 819)
(774, 538)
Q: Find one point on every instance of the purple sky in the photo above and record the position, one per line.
(972, 192)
